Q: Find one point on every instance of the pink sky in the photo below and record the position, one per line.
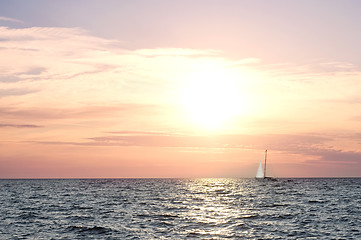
(153, 89)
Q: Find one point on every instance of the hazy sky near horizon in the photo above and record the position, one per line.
(179, 88)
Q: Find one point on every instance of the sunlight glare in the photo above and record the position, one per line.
(212, 97)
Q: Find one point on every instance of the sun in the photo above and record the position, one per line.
(212, 98)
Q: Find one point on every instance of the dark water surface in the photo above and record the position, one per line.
(180, 209)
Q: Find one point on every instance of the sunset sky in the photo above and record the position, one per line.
(150, 88)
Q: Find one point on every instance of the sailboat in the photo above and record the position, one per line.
(261, 175)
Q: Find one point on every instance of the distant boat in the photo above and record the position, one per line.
(261, 174)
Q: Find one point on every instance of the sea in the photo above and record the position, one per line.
(206, 208)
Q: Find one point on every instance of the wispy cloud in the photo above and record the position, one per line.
(32, 73)
(277, 142)
(9, 79)
(15, 92)
(132, 133)
(176, 52)
(330, 156)
(10, 19)
(316, 146)
(84, 112)
(2, 125)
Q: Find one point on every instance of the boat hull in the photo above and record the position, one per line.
(267, 179)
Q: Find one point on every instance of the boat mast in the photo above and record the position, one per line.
(265, 163)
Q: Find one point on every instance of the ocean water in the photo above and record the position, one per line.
(180, 209)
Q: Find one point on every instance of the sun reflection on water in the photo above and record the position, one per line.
(213, 205)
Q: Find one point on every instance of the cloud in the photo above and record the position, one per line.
(51, 113)
(130, 133)
(337, 156)
(314, 146)
(9, 79)
(32, 73)
(64, 59)
(71, 64)
(277, 142)
(247, 61)
(10, 19)
(156, 140)
(176, 52)
(49, 48)
(2, 125)
(349, 100)
(356, 118)
(14, 92)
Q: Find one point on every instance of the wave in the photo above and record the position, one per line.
(181, 209)
(92, 230)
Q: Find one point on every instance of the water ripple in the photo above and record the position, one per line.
(180, 209)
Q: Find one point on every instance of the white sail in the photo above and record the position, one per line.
(260, 173)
